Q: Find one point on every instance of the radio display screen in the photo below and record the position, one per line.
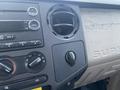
(13, 26)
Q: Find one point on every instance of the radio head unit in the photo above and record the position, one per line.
(17, 22)
(19, 25)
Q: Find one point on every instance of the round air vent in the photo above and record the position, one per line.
(63, 21)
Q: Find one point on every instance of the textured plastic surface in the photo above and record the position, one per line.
(102, 37)
(101, 31)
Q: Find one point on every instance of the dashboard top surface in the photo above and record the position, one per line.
(112, 4)
(117, 2)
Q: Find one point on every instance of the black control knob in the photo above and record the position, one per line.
(70, 58)
(6, 68)
(35, 61)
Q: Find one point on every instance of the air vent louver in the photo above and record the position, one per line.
(63, 21)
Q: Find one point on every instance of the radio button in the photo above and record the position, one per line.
(33, 43)
(1, 37)
(22, 44)
(8, 45)
(28, 43)
(3, 46)
(7, 37)
(16, 45)
(37, 42)
(32, 11)
(34, 24)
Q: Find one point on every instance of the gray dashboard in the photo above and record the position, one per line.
(57, 43)
(41, 45)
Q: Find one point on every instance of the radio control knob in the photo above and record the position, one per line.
(35, 61)
(6, 67)
(34, 24)
(32, 11)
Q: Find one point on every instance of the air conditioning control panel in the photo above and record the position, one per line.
(42, 45)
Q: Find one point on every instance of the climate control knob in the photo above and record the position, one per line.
(35, 61)
(7, 68)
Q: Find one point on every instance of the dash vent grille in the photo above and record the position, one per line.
(63, 21)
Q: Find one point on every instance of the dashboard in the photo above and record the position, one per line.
(41, 45)
(57, 45)
(101, 30)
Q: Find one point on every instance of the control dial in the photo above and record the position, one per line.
(70, 58)
(35, 61)
(34, 25)
(7, 68)
(32, 11)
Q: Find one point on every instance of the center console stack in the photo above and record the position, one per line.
(41, 45)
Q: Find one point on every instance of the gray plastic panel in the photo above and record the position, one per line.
(49, 41)
(62, 69)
